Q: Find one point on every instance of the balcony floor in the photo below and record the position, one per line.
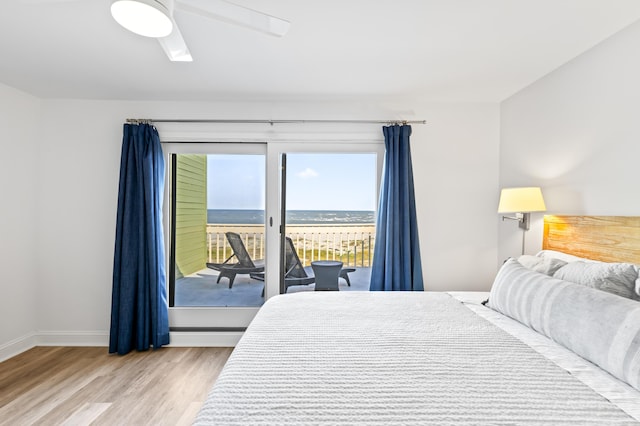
(200, 289)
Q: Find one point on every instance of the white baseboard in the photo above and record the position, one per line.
(17, 346)
(101, 338)
(73, 338)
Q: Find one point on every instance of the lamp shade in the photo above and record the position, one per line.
(521, 200)
(149, 18)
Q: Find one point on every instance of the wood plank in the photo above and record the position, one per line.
(604, 238)
(190, 193)
(55, 385)
(191, 164)
(192, 224)
(189, 170)
(87, 414)
(189, 414)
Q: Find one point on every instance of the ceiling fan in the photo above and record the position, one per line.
(154, 18)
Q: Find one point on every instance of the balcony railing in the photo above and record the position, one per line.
(351, 244)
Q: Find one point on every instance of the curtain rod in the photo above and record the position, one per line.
(271, 122)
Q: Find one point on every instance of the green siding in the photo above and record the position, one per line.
(191, 214)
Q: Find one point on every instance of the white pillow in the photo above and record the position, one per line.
(544, 265)
(553, 254)
(616, 278)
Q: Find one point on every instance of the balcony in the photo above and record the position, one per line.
(350, 244)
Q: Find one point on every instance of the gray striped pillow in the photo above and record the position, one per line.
(598, 326)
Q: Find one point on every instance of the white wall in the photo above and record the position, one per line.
(575, 133)
(456, 175)
(456, 172)
(19, 174)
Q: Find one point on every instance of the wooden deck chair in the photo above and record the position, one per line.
(244, 264)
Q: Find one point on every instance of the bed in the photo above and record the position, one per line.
(529, 356)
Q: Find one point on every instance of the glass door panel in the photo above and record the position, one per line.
(218, 229)
(331, 199)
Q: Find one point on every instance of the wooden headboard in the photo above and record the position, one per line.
(605, 238)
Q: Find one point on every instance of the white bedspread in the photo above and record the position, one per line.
(612, 389)
(392, 358)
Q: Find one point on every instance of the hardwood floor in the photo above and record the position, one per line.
(86, 385)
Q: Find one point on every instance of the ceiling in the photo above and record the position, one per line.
(436, 50)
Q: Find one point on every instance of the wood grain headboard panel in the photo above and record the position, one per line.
(605, 238)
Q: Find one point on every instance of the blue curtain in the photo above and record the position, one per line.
(396, 259)
(139, 310)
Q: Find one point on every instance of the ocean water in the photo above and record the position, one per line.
(310, 217)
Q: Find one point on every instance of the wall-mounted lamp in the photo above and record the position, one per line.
(521, 201)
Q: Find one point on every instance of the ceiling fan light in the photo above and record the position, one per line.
(149, 18)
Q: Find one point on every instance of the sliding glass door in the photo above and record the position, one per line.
(230, 207)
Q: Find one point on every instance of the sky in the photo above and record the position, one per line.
(316, 181)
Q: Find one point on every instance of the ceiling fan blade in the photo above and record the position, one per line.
(239, 15)
(174, 46)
